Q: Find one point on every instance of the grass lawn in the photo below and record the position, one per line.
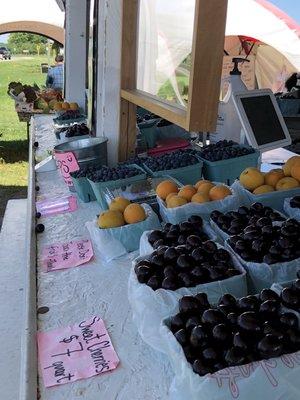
(13, 137)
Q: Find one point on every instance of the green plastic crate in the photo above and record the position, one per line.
(186, 175)
(227, 171)
(149, 132)
(99, 187)
(83, 189)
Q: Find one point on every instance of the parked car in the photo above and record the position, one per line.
(5, 53)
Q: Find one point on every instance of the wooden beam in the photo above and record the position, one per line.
(127, 133)
(206, 69)
(171, 112)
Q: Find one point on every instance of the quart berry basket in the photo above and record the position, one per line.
(99, 187)
(227, 171)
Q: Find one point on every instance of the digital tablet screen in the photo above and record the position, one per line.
(263, 119)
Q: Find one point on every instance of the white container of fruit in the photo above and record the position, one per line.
(147, 248)
(150, 307)
(271, 188)
(112, 243)
(201, 199)
(263, 275)
(293, 212)
(269, 379)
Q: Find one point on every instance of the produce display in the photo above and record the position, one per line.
(120, 213)
(224, 150)
(186, 265)
(235, 222)
(25, 93)
(84, 172)
(258, 238)
(176, 159)
(202, 192)
(69, 115)
(295, 202)
(275, 180)
(105, 174)
(236, 331)
(74, 130)
(180, 234)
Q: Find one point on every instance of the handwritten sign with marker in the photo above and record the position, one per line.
(66, 255)
(66, 163)
(76, 352)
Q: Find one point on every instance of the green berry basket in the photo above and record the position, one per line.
(227, 171)
(100, 187)
(83, 189)
(186, 175)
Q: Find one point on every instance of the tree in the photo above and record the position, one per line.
(19, 41)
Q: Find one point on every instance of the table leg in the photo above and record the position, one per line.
(28, 126)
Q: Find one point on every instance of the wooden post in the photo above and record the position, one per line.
(127, 136)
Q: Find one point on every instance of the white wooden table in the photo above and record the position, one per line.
(92, 289)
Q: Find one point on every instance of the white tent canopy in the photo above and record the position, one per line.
(39, 16)
(165, 38)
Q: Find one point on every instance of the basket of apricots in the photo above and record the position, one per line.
(273, 187)
(177, 203)
(121, 226)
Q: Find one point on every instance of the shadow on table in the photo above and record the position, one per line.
(14, 151)
(9, 193)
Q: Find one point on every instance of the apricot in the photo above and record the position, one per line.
(251, 178)
(287, 183)
(187, 192)
(176, 201)
(200, 198)
(74, 106)
(295, 172)
(205, 187)
(119, 204)
(170, 195)
(273, 176)
(199, 183)
(65, 105)
(291, 162)
(219, 192)
(164, 188)
(110, 219)
(263, 189)
(134, 213)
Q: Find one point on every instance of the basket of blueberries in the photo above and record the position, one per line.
(113, 177)
(225, 160)
(183, 165)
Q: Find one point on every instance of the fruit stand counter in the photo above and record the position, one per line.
(69, 296)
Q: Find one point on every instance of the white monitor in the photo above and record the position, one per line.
(261, 119)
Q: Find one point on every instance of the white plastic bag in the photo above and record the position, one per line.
(146, 248)
(150, 307)
(272, 199)
(290, 211)
(262, 275)
(115, 242)
(273, 379)
(182, 213)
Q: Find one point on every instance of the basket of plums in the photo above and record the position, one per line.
(233, 223)
(183, 165)
(292, 207)
(208, 343)
(269, 250)
(192, 231)
(159, 279)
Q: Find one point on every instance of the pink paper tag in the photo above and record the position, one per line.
(66, 162)
(76, 352)
(66, 255)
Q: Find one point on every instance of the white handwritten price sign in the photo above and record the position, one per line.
(66, 255)
(66, 163)
(76, 352)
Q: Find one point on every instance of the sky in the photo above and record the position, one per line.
(290, 7)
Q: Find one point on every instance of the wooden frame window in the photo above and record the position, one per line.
(200, 114)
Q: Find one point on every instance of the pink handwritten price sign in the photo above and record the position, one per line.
(66, 255)
(67, 163)
(76, 352)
